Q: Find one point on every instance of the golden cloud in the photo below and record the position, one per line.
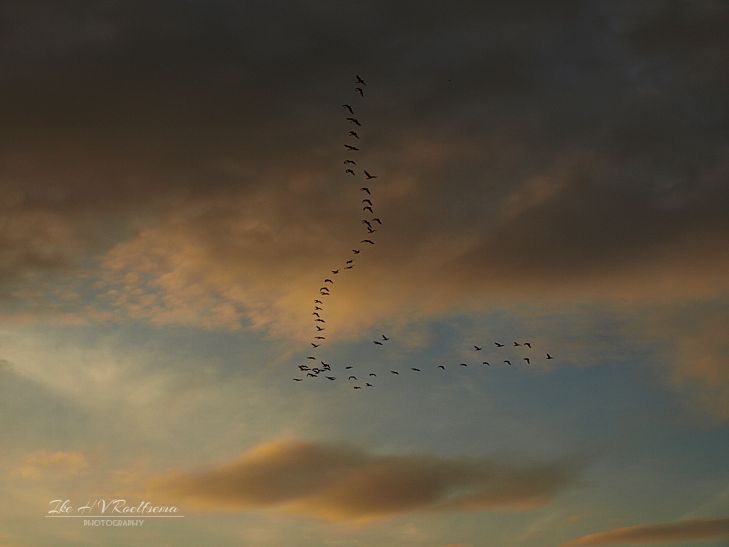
(341, 482)
(688, 530)
(43, 462)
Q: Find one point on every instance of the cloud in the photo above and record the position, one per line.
(342, 482)
(44, 463)
(689, 530)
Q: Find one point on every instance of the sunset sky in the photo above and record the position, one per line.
(172, 195)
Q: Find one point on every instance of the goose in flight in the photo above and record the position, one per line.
(385, 337)
(348, 367)
(377, 220)
(360, 91)
(355, 121)
(350, 261)
(528, 344)
(335, 272)
(377, 342)
(349, 171)
(349, 108)
(315, 313)
(442, 367)
(415, 369)
(353, 134)
(311, 375)
(317, 308)
(303, 367)
(373, 374)
(464, 365)
(313, 345)
(527, 360)
(366, 190)
(348, 162)
(507, 362)
(349, 267)
(369, 177)
(296, 379)
(394, 372)
(367, 222)
(330, 377)
(357, 387)
(319, 338)
(368, 384)
(311, 358)
(368, 241)
(370, 230)
(356, 251)
(367, 201)
(350, 147)
(477, 348)
(367, 208)
(549, 356)
(360, 80)
(498, 345)
(327, 280)
(352, 378)
(319, 320)
(516, 344)
(318, 328)
(486, 363)
(318, 302)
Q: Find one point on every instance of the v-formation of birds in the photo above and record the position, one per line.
(371, 224)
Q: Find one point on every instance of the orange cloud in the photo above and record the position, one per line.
(44, 462)
(689, 530)
(342, 482)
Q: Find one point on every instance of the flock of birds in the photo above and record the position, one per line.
(314, 367)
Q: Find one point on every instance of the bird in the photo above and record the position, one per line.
(325, 364)
(441, 367)
(310, 374)
(385, 337)
(367, 190)
(311, 357)
(349, 171)
(313, 345)
(327, 280)
(486, 363)
(527, 360)
(348, 267)
(477, 348)
(360, 91)
(356, 251)
(350, 147)
(348, 367)
(317, 308)
(330, 377)
(318, 328)
(516, 344)
(498, 345)
(368, 384)
(394, 372)
(415, 369)
(377, 220)
(352, 162)
(367, 201)
(377, 342)
(318, 302)
(357, 387)
(360, 80)
(370, 230)
(350, 261)
(507, 362)
(367, 208)
(368, 241)
(296, 379)
(464, 365)
(528, 344)
(303, 367)
(348, 107)
(335, 272)
(353, 134)
(352, 378)
(373, 374)
(319, 320)
(367, 222)
(319, 338)
(549, 356)
(324, 289)
(355, 121)
(316, 313)
(369, 177)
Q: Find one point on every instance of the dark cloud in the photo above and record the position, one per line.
(342, 482)
(672, 532)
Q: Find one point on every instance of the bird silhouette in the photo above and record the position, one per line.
(385, 337)
(353, 134)
(394, 372)
(366, 190)
(303, 367)
(335, 272)
(360, 91)
(368, 384)
(313, 345)
(507, 362)
(517, 344)
(348, 107)
(377, 220)
(352, 162)
(369, 177)
(327, 280)
(528, 344)
(352, 378)
(415, 369)
(357, 387)
(361, 81)
(316, 313)
(373, 374)
(311, 358)
(319, 338)
(319, 320)
(350, 147)
(296, 379)
(527, 360)
(355, 121)
(367, 201)
(370, 230)
(350, 261)
(348, 267)
(367, 208)
(318, 308)
(318, 302)
(441, 367)
(498, 345)
(348, 367)
(311, 375)
(549, 356)
(325, 364)
(330, 377)
(486, 363)
(356, 251)
(377, 342)
(464, 365)
(368, 241)
(349, 171)
(367, 222)
(477, 348)
(318, 328)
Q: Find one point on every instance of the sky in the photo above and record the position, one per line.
(173, 195)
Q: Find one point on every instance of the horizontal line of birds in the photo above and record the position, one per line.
(371, 224)
(315, 371)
